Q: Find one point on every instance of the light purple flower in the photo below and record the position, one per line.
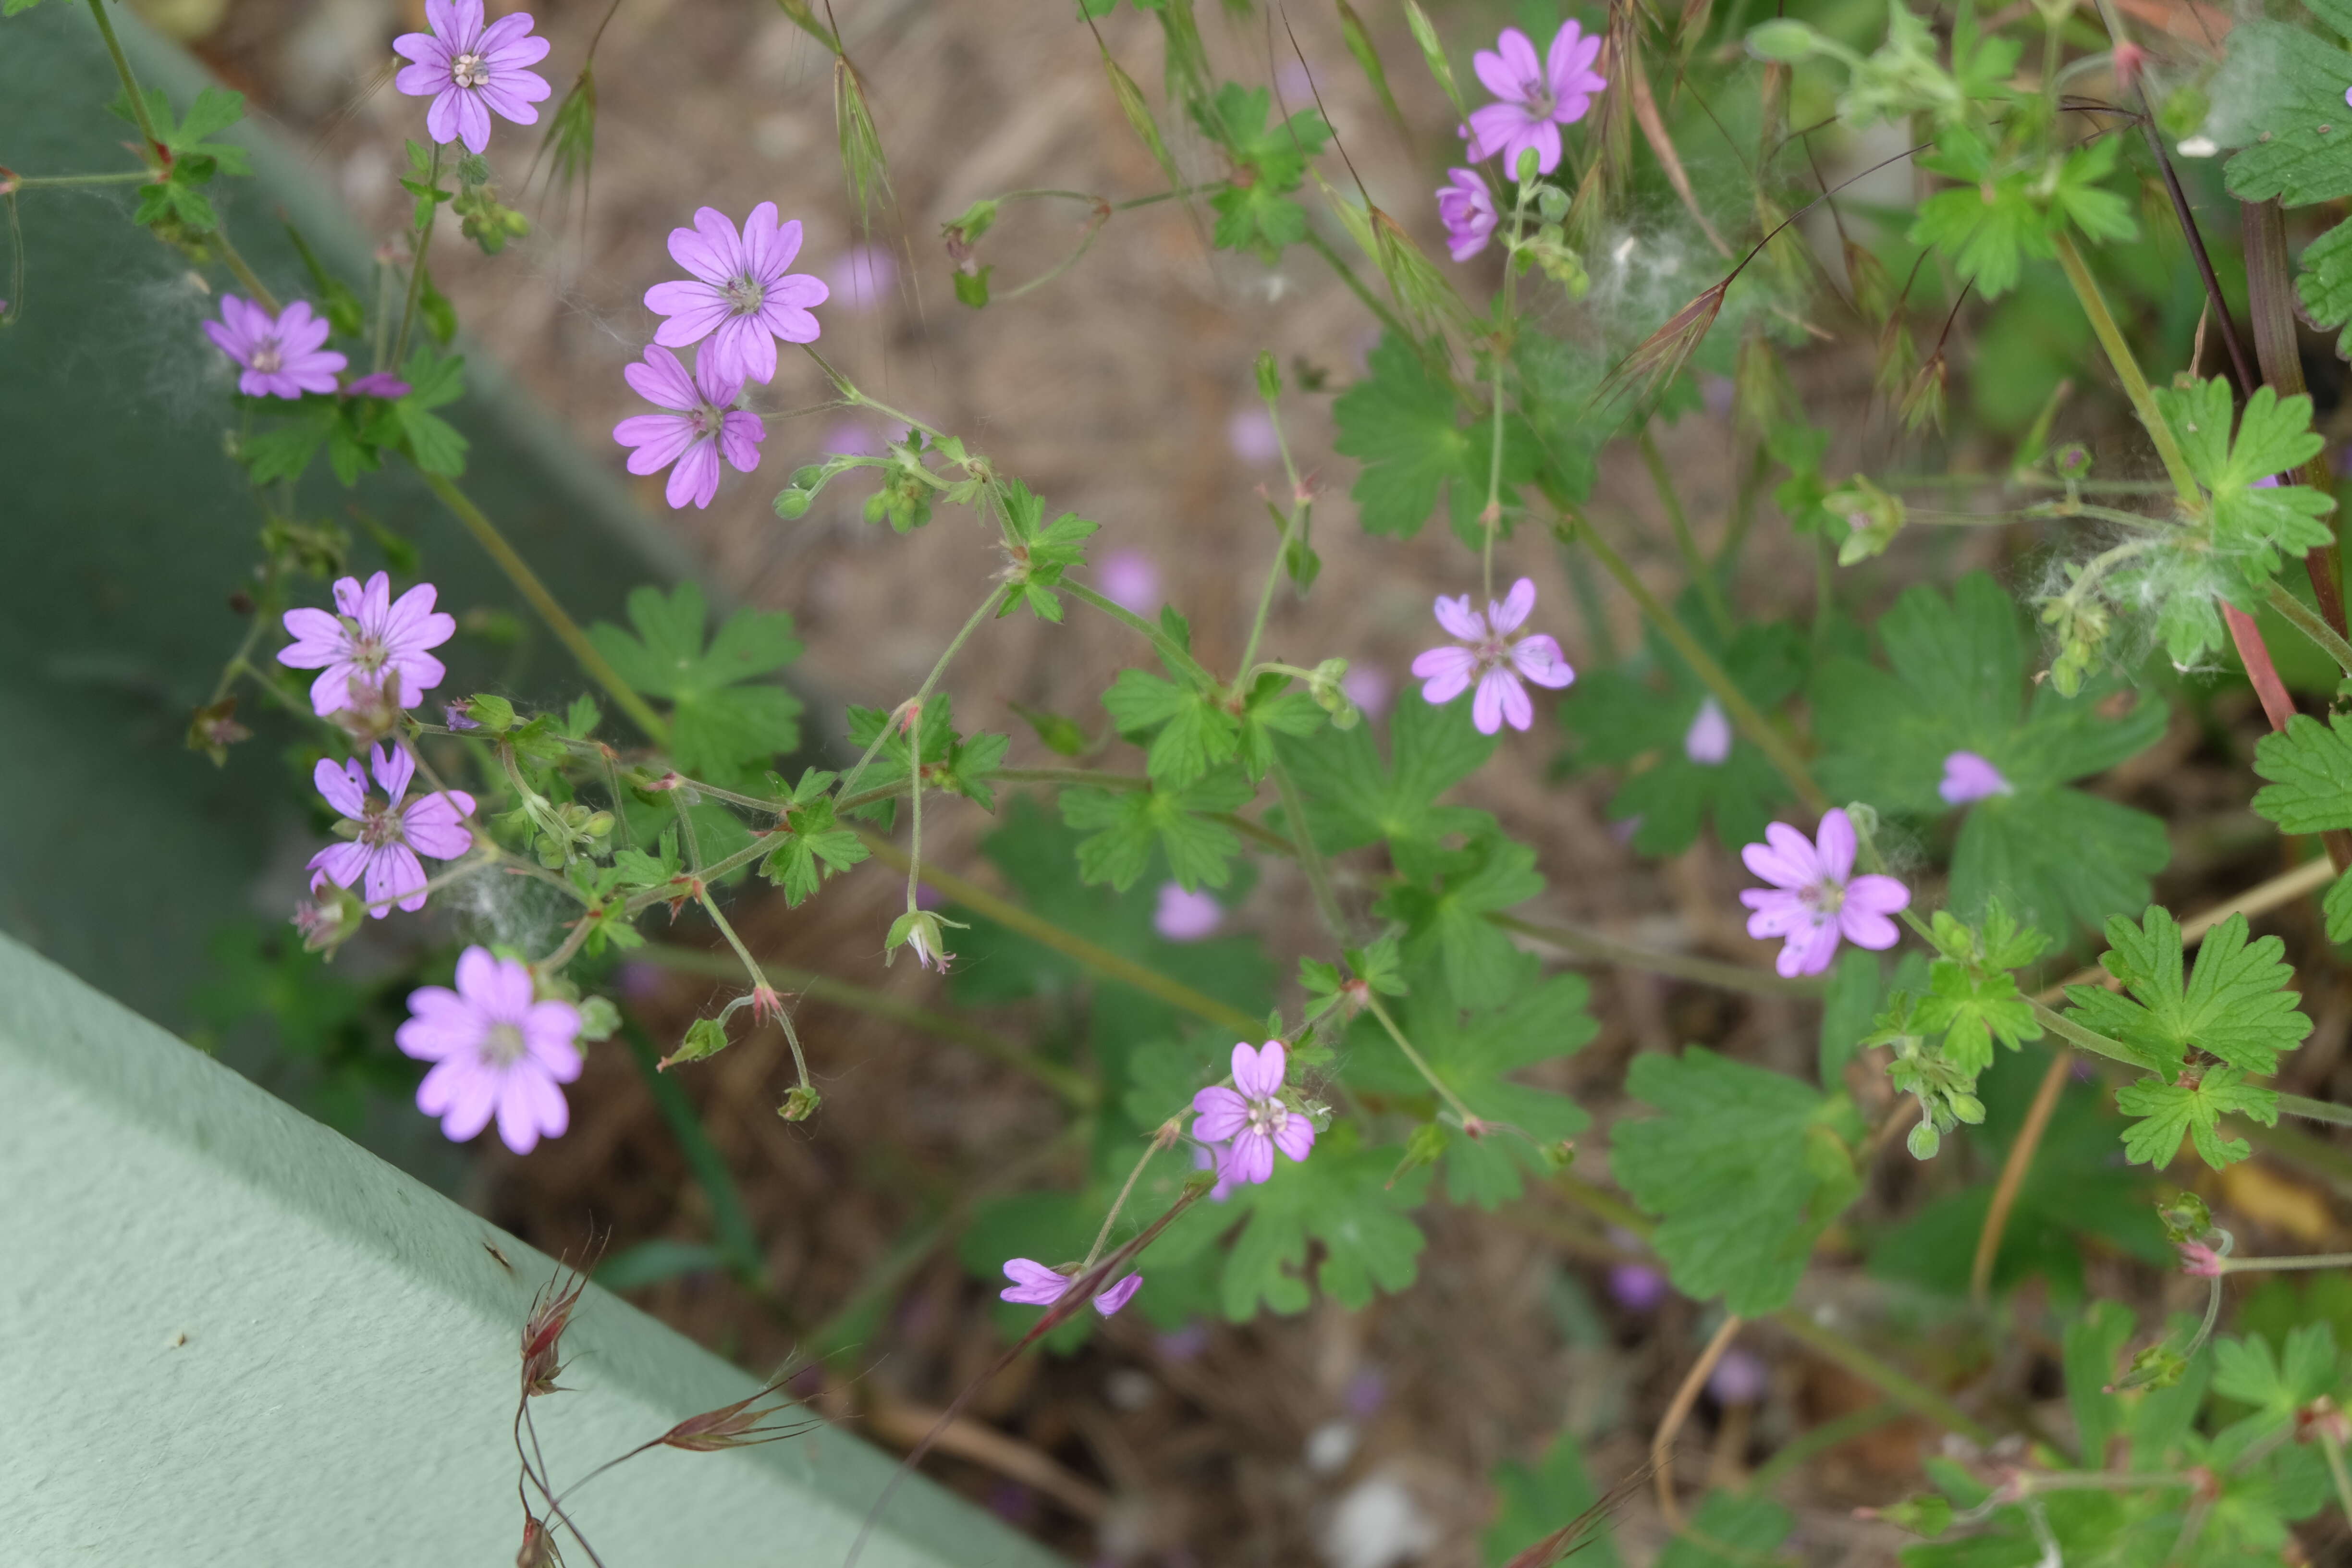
(282, 355)
(1493, 658)
(370, 641)
(1539, 95)
(699, 429)
(1186, 917)
(1367, 686)
(1466, 207)
(496, 1050)
(1217, 1157)
(381, 383)
(470, 71)
(392, 834)
(742, 297)
(1250, 435)
(1707, 742)
(1251, 1115)
(1815, 898)
(1739, 1378)
(1130, 579)
(1035, 1284)
(1968, 776)
(1636, 1286)
(861, 279)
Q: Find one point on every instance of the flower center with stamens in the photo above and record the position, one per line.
(381, 825)
(708, 420)
(503, 1046)
(1266, 1117)
(268, 357)
(1826, 896)
(469, 71)
(1537, 96)
(744, 295)
(363, 648)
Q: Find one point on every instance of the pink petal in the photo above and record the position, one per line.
(531, 1106)
(508, 98)
(657, 437)
(1257, 1074)
(695, 479)
(1448, 672)
(1544, 138)
(317, 639)
(1810, 953)
(351, 598)
(343, 784)
(504, 33)
(788, 321)
(739, 434)
(1501, 700)
(1785, 858)
(1253, 1158)
(1492, 129)
(331, 692)
(1459, 620)
(441, 124)
(1560, 60)
(760, 240)
(442, 17)
(659, 379)
(752, 353)
(1776, 913)
(425, 50)
(1867, 927)
(395, 880)
(1877, 894)
(1119, 1295)
(714, 383)
(341, 864)
(721, 242)
(435, 824)
(473, 122)
(1512, 613)
(1837, 844)
(1539, 660)
(549, 1030)
(1218, 1113)
(1296, 1136)
(413, 624)
(394, 770)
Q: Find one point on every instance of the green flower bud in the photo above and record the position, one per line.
(795, 503)
(493, 713)
(1924, 1141)
(599, 1019)
(1269, 376)
(800, 1103)
(704, 1037)
(1784, 41)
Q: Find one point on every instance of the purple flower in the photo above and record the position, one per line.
(470, 71)
(1707, 742)
(1739, 1378)
(1968, 776)
(381, 384)
(861, 279)
(1539, 95)
(741, 292)
(371, 642)
(1035, 1284)
(1493, 658)
(1130, 579)
(1466, 207)
(1251, 436)
(1636, 1286)
(1217, 1157)
(1251, 1115)
(281, 355)
(1815, 898)
(1368, 687)
(700, 428)
(390, 835)
(494, 1050)
(1186, 917)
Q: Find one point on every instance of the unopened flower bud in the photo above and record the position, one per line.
(1924, 1141)
(792, 502)
(704, 1037)
(1269, 376)
(492, 712)
(800, 1102)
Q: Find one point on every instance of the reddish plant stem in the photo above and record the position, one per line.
(2269, 307)
(2277, 706)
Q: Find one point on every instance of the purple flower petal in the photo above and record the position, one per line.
(1218, 1113)
(1119, 1295)
(1257, 1074)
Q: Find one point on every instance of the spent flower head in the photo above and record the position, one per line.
(387, 833)
(1538, 95)
(1035, 1284)
(700, 428)
(496, 1050)
(1252, 1116)
(742, 297)
(282, 355)
(371, 642)
(1466, 207)
(471, 71)
(1494, 657)
(1815, 899)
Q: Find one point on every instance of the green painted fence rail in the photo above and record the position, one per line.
(228, 1336)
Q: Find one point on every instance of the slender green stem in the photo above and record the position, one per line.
(1490, 520)
(53, 182)
(1120, 1203)
(129, 82)
(230, 258)
(1299, 508)
(2309, 624)
(2286, 1264)
(2316, 1110)
(1073, 1088)
(987, 607)
(1838, 1347)
(2334, 1452)
(566, 629)
(1310, 856)
(417, 248)
(1743, 714)
(1101, 959)
(1169, 650)
(2119, 354)
(1710, 591)
(1453, 1100)
(751, 965)
(1058, 778)
(1322, 247)
(1679, 966)
(914, 804)
(2076, 1035)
